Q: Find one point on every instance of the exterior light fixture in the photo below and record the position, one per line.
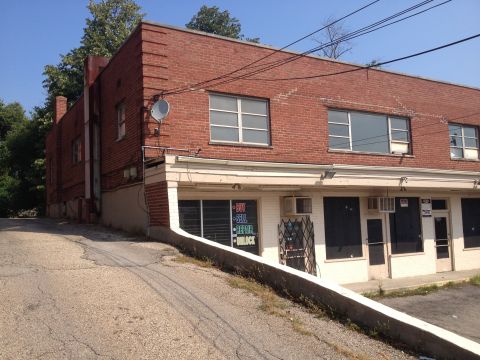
(403, 180)
(329, 174)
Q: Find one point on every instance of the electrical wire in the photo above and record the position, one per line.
(359, 68)
(277, 50)
(356, 33)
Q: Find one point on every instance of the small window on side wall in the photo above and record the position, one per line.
(76, 151)
(120, 121)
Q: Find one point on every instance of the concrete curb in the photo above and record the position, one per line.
(417, 334)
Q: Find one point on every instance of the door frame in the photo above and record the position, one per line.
(444, 213)
(377, 271)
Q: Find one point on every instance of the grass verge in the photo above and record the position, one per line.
(184, 259)
(271, 303)
(422, 291)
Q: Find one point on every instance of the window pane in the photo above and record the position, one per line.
(469, 142)
(398, 123)
(439, 204)
(245, 225)
(399, 135)
(338, 117)
(223, 118)
(216, 221)
(456, 141)
(339, 130)
(254, 106)
(471, 222)
(470, 131)
(455, 130)
(369, 133)
(338, 143)
(255, 136)
(224, 134)
(257, 122)
(456, 153)
(189, 215)
(223, 103)
(342, 227)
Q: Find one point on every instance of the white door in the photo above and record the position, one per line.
(442, 242)
(377, 249)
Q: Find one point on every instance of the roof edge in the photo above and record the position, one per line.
(197, 32)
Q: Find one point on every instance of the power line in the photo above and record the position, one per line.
(277, 50)
(356, 33)
(359, 68)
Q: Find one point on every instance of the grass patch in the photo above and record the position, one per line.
(475, 280)
(271, 303)
(183, 259)
(422, 291)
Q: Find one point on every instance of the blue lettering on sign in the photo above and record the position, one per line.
(241, 218)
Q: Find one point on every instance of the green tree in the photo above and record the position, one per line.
(110, 23)
(10, 115)
(22, 141)
(214, 21)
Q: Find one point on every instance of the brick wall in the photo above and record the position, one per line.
(298, 109)
(121, 81)
(66, 180)
(157, 203)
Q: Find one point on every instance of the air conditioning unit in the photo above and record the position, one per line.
(293, 205)
(381, 204)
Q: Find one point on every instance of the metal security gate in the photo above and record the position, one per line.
(297, 244)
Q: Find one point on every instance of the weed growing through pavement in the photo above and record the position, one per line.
(475, 280)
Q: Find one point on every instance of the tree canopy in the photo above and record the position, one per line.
(22, 141)
(110, 23)
(214, 21)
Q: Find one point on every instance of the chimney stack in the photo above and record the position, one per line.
(60, 107)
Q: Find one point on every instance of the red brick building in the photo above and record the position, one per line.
(360, 175)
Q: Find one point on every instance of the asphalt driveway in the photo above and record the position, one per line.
(84, 292)
(454, 308)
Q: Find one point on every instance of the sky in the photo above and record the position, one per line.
(35, 33)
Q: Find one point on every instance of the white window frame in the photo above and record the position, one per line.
(348, 139)
(463, 137)
(240, 126)
(120, 110)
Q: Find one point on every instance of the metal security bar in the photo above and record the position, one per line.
(297, 244)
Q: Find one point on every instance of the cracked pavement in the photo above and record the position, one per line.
(71, 291)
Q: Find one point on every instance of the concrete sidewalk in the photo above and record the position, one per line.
(412, 282)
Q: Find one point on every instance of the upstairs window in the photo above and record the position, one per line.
(365, 132)
(239, 120)
(120, 121)
(463, 141)
(76, 151)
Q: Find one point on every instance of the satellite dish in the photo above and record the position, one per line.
(160, 110)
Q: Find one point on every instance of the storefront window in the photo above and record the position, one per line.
(342, 227)
(228, 222)
(471, 222)
(405, 226)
